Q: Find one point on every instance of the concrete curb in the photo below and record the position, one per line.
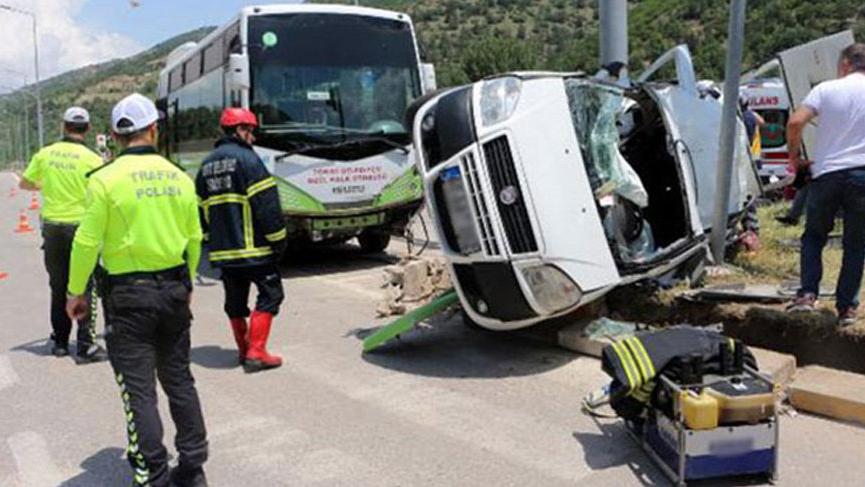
(831, 393)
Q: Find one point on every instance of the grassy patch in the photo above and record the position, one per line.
(778, 257)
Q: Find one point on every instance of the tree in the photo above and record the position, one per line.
(492, 55)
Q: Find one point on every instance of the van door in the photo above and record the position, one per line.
(693, 121)
(804, 67)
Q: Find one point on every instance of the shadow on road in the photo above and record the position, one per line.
(332, 259)
(214, 357)
(41, 347)
(106, 468)
(613, 448)
(445, 347)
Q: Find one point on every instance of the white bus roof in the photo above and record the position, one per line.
(322, 8)
(276, 9)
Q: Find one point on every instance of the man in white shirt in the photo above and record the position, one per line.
(838, 172)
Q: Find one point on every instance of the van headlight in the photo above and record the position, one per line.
(552, 289)
(499, 98)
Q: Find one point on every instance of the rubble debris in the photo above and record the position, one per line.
(411, 283)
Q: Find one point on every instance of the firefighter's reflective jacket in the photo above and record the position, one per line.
(635, 362)
(240, 209)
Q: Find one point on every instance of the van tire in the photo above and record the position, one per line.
(470, 323)
(373, 242)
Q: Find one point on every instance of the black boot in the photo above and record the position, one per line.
(91, 353)
(59, 349)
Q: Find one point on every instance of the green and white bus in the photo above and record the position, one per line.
(329, 85)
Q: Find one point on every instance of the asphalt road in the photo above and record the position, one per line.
(445, 406)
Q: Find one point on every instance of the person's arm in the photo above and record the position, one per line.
(201, 191)
(761, 122)
(194, 235)
(31, 180)
(795, 127)
(266, 209)
(85, 248)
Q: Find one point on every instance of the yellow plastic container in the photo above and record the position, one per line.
(700, 412)
(751, 408)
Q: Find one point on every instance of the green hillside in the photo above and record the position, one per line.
(563, 34)
(95, 87)
(470, 39)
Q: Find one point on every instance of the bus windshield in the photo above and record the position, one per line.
(331, 75)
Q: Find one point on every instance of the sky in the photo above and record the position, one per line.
(76, 33)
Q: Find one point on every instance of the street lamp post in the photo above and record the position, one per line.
(36, 66)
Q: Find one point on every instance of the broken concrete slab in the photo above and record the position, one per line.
(780, 367)
(830, 393)
(416, 285)
(589, 337)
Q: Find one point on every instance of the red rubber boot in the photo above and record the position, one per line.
(257, 358)
(238, 327)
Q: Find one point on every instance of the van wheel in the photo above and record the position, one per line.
(470, 323)
(373, 242)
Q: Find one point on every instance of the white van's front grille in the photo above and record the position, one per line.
(479, 205)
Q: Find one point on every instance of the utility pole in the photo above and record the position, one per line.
(614, 33)
(726, 153)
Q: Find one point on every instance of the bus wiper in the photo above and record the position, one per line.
(363, 140)
(379, 138)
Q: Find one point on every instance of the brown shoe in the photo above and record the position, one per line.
(847, 317)
(806, 303)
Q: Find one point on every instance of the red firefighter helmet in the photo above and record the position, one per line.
(232, 117)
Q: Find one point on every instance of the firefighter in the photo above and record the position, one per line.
(246, 235)
(142, 218)
(60, 171)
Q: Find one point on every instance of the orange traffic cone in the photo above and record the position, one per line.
(34, 202)
(23, 223)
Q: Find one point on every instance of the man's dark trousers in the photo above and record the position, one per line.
(57, 247)
(147, 329)
(845, 191)
(238, 280)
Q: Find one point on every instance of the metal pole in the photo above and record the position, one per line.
(26, 132)
(724, 169)
(37, 89)
(614, 31)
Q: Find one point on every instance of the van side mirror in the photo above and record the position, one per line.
(428, 71)
(238, 72)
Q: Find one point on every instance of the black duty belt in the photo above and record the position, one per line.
(175, 274)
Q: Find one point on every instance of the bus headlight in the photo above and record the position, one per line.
(552, 289)
(499, 98)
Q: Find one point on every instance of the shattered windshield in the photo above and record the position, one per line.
(595, 111)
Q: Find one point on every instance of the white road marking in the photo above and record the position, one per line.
(35, 466)
(8, 377)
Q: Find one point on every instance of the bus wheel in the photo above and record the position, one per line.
(373, 242)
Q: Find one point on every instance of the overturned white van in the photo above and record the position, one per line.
(547, 190)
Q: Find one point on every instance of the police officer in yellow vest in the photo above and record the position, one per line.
(60, 171)
(142, 217)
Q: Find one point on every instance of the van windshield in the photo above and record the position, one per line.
(330, 75)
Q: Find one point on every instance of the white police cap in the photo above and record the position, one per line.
(133, 113)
